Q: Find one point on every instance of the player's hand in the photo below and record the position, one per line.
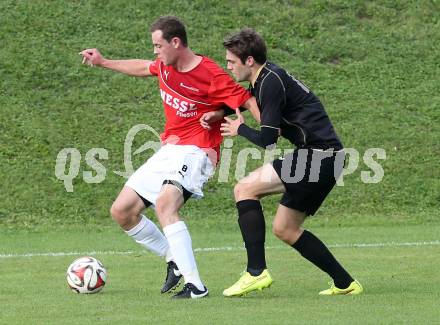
(91, 57)
(211, 117)
(230, 126)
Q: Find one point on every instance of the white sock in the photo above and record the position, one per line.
(180, 244)
(148, 235)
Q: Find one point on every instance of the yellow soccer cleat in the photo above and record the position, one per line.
(354, 288)
(248, 283)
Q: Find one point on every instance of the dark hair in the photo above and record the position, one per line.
(247, 42)
(171, 27)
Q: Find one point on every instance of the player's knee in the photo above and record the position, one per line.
(114, 211)
(243, 191)
(237, 192)
(165, 215)
(279, 232)
(119, 214)
(288, 235)
(164, 207)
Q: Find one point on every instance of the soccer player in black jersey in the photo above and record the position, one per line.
(305, 176)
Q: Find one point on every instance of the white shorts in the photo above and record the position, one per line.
(186, 164)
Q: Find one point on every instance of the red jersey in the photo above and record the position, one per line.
(187, 95)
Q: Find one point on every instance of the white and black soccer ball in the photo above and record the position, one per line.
(86, 275)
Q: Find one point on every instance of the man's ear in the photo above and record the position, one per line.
(175, 42)
(250, 61)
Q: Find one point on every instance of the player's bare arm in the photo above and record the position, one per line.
(133, 67)
(251, 106)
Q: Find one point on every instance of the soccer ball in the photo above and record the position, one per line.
(86, 275)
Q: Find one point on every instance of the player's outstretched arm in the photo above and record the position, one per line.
(134, 67)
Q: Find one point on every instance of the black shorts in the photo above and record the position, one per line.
(308, 176)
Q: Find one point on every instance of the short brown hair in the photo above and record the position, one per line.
(247, 42)
(171, 27)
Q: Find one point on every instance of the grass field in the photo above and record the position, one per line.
(396, 268)
(375, 66)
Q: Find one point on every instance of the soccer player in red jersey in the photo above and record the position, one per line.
(191, 86)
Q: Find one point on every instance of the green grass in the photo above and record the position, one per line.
(400, 285)
(375, 66)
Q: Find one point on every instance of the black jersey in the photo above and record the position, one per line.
(286, 104)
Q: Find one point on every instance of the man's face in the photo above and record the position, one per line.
(164, 50)
(240, 71)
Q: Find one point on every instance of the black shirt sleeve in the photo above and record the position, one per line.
(229, 111)
(264, 138)
(271, 98)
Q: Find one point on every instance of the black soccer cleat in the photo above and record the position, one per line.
(173, 277)
(190, 291)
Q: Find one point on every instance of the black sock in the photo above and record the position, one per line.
(253, 230)
(314, 250)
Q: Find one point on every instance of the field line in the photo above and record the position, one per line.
(221, 249)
